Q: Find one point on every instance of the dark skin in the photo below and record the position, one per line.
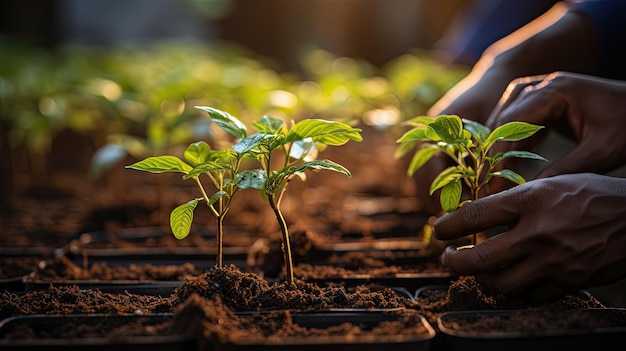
(586, 109)
(580, 243)
(566, 230)
(559, 40)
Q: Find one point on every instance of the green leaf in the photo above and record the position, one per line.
(510, 175)
(301, 148)
(518, 154)
(451, 195)
(208, 166)
(181, 218)
(160, 164)
(421, 157)
(431, 134)
(446, 176)
(198, 153)
(421, 121)
(415, 134)
(321, 164)
(250, 142)
(449, 128)
(323, 132)
(479, 131)
(217, 196)
(269, 124)
(512, 131)
(226, 121)
(254, 178)
(404, 148)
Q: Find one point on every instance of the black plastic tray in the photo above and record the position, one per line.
(408, 281)
(363, 318)
(203, 257)
(12, 284)
(154, 288)
(578, 338)
(46, 323)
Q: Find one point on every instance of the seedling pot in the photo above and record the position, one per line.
(408, 281)
(417, 333)
(156, 287)
(589, 329)
(133, 246)
(49, 332)
(12, 284)
(14, 269)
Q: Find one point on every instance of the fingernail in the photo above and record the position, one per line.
(444, 258)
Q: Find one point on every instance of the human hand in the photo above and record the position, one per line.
(564, 233)
(587, 109)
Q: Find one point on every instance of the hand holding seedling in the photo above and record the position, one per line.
(469, 147)
(564, 233)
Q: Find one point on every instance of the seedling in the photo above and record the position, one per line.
(220, 167)
(469, 147)
(293, 150)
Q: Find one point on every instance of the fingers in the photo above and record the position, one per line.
(492, 254)
(537, 100)
(510, 95)
(495, 210)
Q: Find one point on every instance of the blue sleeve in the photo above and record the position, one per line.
(609, 20)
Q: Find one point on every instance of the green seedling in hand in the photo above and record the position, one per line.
(469, 146)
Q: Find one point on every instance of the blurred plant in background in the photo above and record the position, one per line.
(138, 102)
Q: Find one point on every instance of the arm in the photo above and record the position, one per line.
(558, 40)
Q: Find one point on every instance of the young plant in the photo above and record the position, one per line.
(282, 153)
(469, 147)
(220, 167)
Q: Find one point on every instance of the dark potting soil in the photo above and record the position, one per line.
(466, 294)
(213, 321)
(62, 268)
(205, 306)
(12, 267)
(533, 320)
(240, 291)
(369, 268)
(103, 327)
(72, 300)
(248, 292)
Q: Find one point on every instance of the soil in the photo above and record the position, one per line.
(63, 269)
(205, 307)
(523, 321)
(249, 292)
(466, 294)
(72, 300)
(13, 267)
(378, 202)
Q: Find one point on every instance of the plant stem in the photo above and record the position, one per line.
(219, 235)
(286, 245)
